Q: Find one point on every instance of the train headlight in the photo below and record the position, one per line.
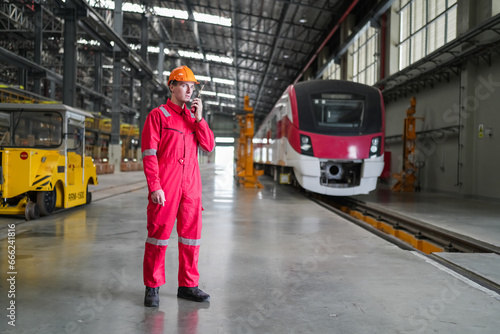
(375, 147)
(306, 145)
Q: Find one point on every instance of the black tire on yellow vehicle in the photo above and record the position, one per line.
(32, 211)
(89, 196)
(46, 201)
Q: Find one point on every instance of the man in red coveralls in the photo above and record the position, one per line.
(170, 140)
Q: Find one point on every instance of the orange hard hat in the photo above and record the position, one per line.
(182, 73)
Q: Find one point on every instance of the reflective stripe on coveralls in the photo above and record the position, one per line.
(157, 242)
(165, 112)
(148, 152)
(190, 242)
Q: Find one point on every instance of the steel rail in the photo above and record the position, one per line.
(450, 241)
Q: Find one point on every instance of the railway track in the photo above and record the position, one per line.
(414, 233)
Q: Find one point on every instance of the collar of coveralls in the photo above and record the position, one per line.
(176, 108)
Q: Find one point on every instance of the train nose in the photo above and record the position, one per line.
(334, 171)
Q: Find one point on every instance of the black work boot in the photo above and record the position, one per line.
(193, 294)
(152, 297)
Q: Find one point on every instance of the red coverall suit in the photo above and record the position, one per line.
(170, 142)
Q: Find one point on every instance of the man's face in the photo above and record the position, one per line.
(182, 91)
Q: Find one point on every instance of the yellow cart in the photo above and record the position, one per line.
(42, 161)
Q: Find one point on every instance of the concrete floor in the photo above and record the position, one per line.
(273, 262)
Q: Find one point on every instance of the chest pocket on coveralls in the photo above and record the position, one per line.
(172, 141)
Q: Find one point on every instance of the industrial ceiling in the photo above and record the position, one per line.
(236, 48)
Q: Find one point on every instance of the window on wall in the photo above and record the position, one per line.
(365, 57)
(425, 25)
(332, 71)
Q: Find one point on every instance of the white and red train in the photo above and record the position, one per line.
(329, 132)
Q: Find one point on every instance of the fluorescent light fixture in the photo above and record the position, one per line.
(88, 42)
(219, 59)
(162, 11)
(209, 93)
(212, 19)
(168, 12)
(102, 4)
(215, 103)
(228, 96)
(203, 78)
(190, 54)
(224, 139)
(223, 81)
(132, 7)
(156, 49)
(230, 105)
(107, 66)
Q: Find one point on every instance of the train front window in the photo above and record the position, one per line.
(30, 129)
(338, 110)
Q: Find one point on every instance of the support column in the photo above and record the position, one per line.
(161, 60)
(69, 61)
(52, 86)
(466, 19)
(143, 112)
(392, 36)
(97, 80)
(144, 38)
(115, 149)
(22, 73)
(38, 45)
(131, 91)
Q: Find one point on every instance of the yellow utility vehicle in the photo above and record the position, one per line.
(42, 161)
